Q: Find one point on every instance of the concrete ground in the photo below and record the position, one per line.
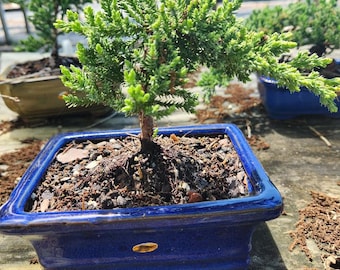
(297, 162)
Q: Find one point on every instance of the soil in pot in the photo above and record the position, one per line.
(109, 174)
(43, 67)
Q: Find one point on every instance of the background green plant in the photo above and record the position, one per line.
(44, 14)
(140, 53)
(311, 22)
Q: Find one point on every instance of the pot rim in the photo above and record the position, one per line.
(28, 79)
(263, 203)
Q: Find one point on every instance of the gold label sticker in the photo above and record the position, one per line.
(145, 247)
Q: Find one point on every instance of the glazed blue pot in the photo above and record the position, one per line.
(203, 235)
(281, 104)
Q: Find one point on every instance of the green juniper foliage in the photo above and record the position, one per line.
(139, 54)
(44, 15)
(209, 80)
(311, 22)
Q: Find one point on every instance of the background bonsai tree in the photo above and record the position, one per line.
(140, 52)
(44, 15)
(311, 22)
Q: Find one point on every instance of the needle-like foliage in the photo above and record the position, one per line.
(139, 54)
(311, 22)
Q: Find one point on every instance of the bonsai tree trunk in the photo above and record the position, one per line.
(54, 59)
(147, 124)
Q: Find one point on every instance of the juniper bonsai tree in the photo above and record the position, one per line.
(44, 15)
(311, 22)
(139, 54)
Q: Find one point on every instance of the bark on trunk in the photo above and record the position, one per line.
(147, 125)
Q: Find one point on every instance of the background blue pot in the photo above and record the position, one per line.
(281, 104)
(204, 235)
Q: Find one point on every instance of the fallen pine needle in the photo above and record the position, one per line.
(248, 129)
(320, 136)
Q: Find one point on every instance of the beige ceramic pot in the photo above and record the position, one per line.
(35, 99)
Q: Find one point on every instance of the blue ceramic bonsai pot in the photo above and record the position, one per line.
(203, 235)
(281, 104)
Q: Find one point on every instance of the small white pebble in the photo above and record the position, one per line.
(44, 205)
(240, 176)
(184, 186)
(103, 143)
(3, 167)
(92, 203)
(92, 164)
(121, 200)
(65, 179)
